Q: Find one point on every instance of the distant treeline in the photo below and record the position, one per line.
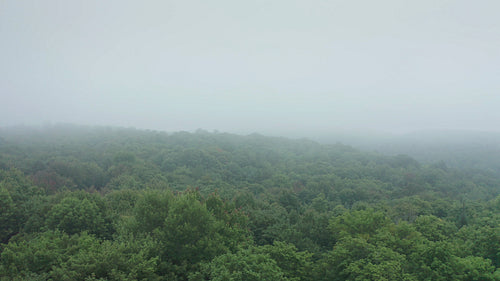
(466, 150)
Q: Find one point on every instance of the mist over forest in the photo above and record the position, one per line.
(111, 203)
(250, 140)
(288, 68)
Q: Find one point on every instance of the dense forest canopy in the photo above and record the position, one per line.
(105, 203)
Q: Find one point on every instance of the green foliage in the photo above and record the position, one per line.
(475, 268)
(192, 234)
(17, 199)
(295, 265)
(59, 256)
(151, 210)
(187, 228)
(80, 212)
(312, 231)
(357, 259)
(122, 204)
(244, 265)
(434, 228)
(358, 223)
(7, 215)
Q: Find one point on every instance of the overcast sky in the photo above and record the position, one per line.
(252, 66)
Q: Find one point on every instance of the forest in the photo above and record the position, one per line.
(107, 203)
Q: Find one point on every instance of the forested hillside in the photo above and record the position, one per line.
(85, 203)
(463, 149)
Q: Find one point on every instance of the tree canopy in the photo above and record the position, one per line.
(124, 204)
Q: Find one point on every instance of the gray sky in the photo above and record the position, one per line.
(252, 66)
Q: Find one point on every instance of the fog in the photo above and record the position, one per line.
(273, 67)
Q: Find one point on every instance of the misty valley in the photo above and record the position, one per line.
(111, 203)
(340, 140)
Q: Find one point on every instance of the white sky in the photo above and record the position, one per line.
(252, 66)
